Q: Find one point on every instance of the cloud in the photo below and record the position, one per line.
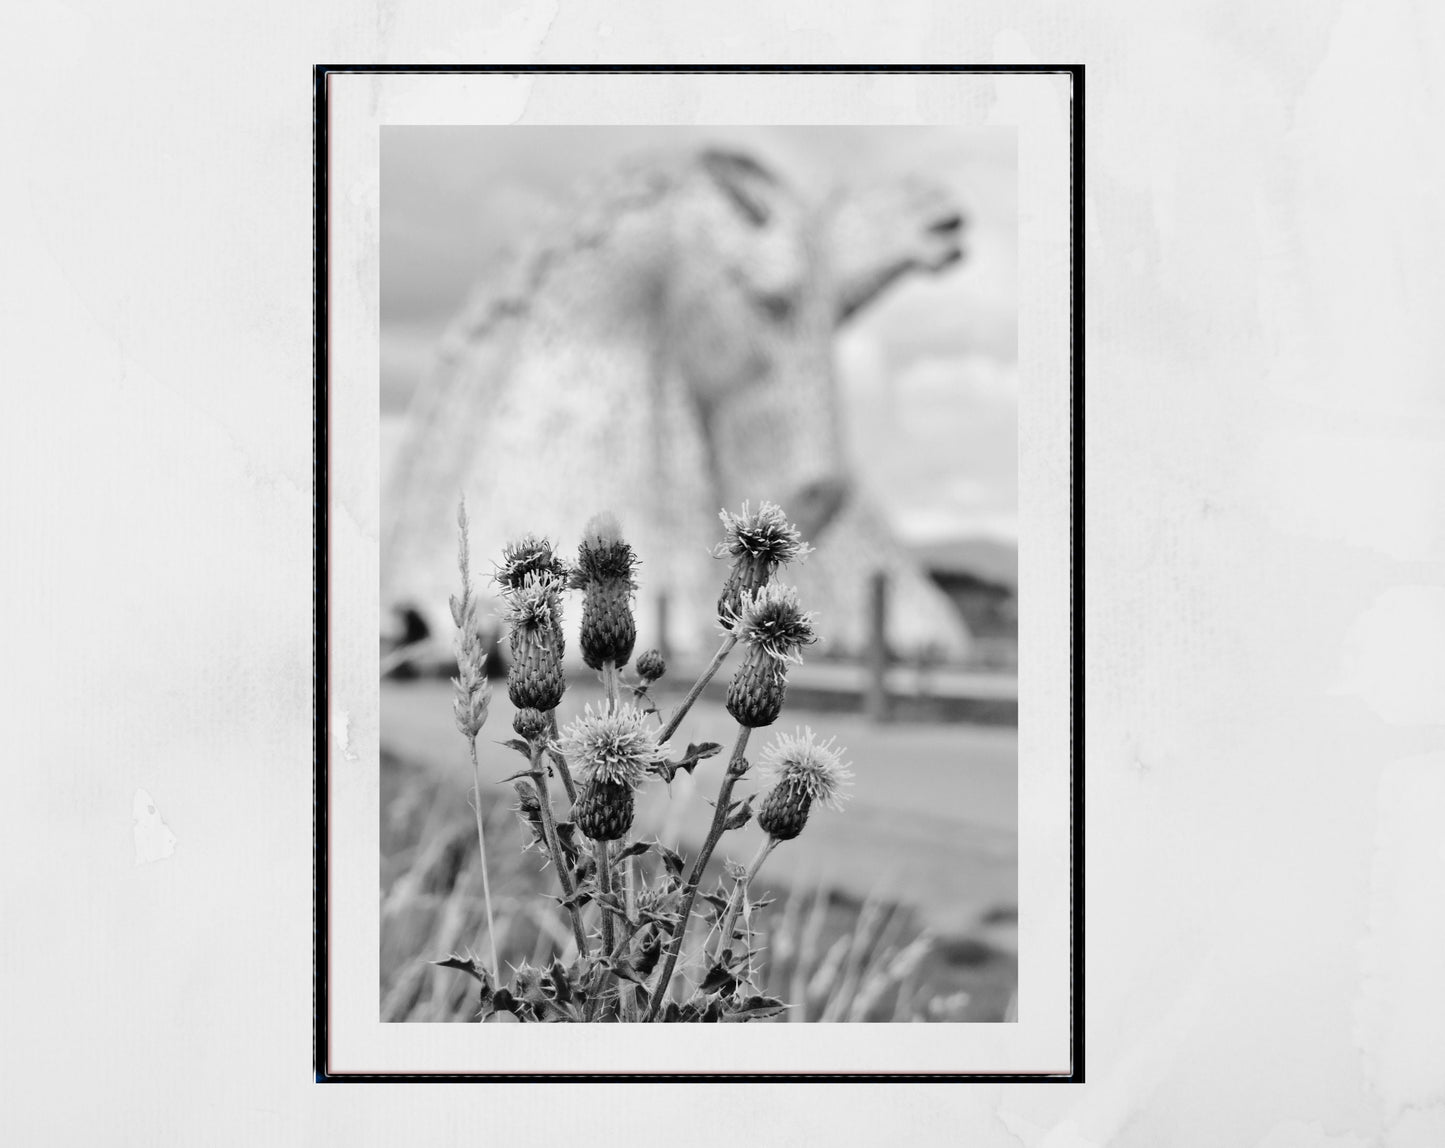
(967, 491)
(979, 378)
(935, 442)
(408, 353)
(924, 524)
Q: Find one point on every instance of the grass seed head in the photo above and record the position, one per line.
(472, 696)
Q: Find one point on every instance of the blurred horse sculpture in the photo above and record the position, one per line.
(664, 351)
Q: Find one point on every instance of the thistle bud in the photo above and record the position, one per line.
(757, 690)
(758, 543)
(605, 809)
(775, 629)
(529, 723)
(785, 811)
(608, 629)
(534, 612)
(604, 572)
(651, 666)
(536, 680)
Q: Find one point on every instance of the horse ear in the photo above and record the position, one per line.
(749, 185)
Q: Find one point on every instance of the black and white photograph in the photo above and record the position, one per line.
(699, 574)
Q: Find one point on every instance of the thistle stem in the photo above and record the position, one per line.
(554, 845)
(608, 887)
(482, 849)
(604, 883)
(559, 759)
(698, 686)
(629, 886)
(610, 684)
(736, 767)
(740, 894)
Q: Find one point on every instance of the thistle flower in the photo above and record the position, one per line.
(614, 752)
(534, 606)
(775, 628)
(758, 543)
(616, 746)
(772, 620)
(764, 533)
(604, 571)
(534, 612)
(801, 770)
(529, 555)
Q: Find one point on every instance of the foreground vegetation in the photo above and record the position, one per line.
(833, 956)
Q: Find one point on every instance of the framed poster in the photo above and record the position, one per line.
(696, 561)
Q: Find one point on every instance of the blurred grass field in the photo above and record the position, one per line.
(902, 907)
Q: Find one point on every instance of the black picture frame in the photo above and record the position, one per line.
(321, 551)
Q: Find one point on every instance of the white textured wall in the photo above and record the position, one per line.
(1266, 653)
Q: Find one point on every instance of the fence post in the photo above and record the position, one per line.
(663, 646)
(875, 692)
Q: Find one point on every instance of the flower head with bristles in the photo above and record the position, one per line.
(764, 533)
(758, 543)
(529, 555)
(603, 555)
(617, 747)
(772, 620)
(813, 767)
(534, 606)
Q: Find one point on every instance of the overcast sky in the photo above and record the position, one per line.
(930, 370)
